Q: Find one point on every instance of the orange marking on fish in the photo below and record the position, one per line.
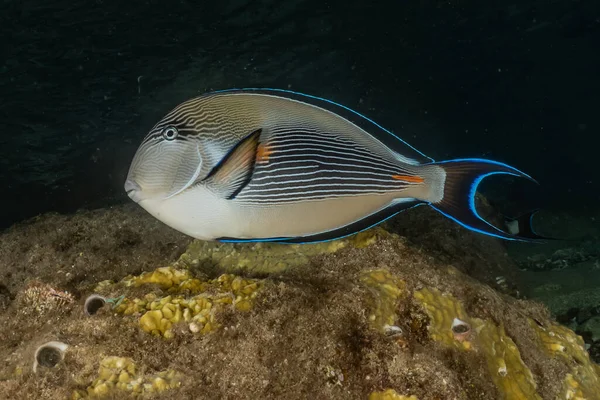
(263, 152)
(408, 178)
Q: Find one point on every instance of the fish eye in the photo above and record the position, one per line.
(170, 133)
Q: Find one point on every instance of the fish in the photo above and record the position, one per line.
(275, 165)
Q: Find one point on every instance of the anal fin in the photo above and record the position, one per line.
(234, 171)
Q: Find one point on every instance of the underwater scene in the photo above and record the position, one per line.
(300, 199)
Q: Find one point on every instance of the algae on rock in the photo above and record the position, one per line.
(374, 311)
(263, 257)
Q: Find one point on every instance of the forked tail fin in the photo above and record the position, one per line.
(458, 201)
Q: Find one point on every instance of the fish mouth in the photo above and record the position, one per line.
(133, 190)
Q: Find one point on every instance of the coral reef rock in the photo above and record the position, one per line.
(373, 316)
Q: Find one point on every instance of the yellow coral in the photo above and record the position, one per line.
(386, 290)
(509, 373)
(120, 373)
(390, 394)
(507, 370)
(583, 381)
(168, 278)
(442, 310)
(161, 313)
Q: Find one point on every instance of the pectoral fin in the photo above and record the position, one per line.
(234, 171)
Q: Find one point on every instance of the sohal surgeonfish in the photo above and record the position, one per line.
(275, 165)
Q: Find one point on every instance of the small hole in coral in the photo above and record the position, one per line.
(460, 328)
(49, 356)
(93, 303)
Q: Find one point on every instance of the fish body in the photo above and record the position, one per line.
(275, 165)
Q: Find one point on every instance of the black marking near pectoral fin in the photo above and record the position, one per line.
(234, 171)
(347, 230)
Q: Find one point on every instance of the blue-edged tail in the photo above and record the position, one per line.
(456, 198)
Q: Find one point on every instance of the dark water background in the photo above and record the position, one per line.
(82, 82)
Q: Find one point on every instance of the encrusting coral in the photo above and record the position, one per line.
(386, 291)
(198, 311)
(195, 301)
(511, 376)
(583, 379)
(122, 374)
(506, 368)
(263, 257)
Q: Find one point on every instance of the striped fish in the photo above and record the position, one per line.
(276, 165)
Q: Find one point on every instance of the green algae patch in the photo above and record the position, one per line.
(265, 257)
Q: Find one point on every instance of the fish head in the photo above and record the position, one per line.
(166, 163)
